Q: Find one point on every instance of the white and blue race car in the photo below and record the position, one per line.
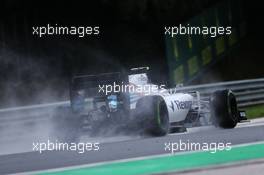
(128, 101)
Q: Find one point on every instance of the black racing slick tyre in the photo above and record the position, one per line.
(223, 106)
(153, 111)
(65, 126)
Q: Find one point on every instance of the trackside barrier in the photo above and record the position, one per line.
(248, 92)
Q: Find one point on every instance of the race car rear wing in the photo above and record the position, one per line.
(91, 84)
(84, 87)
(93, 81)
(91, 87)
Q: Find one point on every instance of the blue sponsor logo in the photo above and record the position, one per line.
(180, 105)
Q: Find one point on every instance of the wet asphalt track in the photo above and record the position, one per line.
(116, 149)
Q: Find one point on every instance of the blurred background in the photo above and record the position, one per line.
(37, 70)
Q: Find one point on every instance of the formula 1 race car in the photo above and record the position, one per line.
(128, 101)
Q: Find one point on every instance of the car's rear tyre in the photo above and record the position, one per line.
(153, 111)
(65, 125)
(223, 106)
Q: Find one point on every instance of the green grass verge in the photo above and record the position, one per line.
(254, 111)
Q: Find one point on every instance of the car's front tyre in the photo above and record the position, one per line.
(223, 106)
